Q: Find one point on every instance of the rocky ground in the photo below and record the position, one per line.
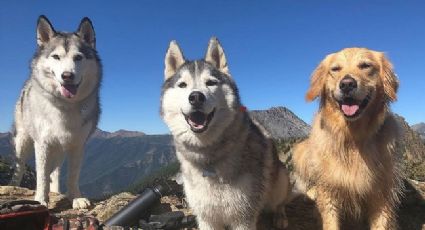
(61, 207)
(302, 213)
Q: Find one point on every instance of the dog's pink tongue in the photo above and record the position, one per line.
(68, 90)
(350, 110)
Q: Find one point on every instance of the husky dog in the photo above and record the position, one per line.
(231, 171)
(58, 108)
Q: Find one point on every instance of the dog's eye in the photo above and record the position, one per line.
(211, 83)
(55, 56)
(364, 65)
(336, 68)
(182, 85)
(78, 57)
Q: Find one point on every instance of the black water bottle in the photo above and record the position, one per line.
(130, 214)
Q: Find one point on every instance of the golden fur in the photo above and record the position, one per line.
(349, 162)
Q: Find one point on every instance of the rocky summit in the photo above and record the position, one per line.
(412, 150)
(420, 129)
(281, 123)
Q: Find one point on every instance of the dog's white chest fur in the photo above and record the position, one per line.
(212, 197)
(58, 124)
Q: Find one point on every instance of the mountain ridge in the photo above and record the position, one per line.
(113, 161)
(420, 129)
(281, 122)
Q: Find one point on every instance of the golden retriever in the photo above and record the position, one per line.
(349, 158)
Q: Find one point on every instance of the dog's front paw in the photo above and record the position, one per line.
(80, 203)
(44, 203)
(41, 200)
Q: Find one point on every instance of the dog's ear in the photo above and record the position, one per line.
(389, 79)
(173, 59)
(317, 82)
(45, 30)
(86, 32)
(215, 55)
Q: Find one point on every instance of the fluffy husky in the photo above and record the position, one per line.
(230, 167)
(58, 107)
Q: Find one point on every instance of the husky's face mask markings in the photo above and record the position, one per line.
(58, 108)
(198, 117)
(66, 58)
(201, 93)
(223, 153)
(200, 106)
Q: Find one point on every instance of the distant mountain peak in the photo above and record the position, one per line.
(276, 109)
(281, 122)
(127, 133)
(4, 135)
(420, 128)
(98, 133)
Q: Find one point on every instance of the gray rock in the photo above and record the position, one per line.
(57, 201)
(420, 128)
(105, 209)
(281, 123)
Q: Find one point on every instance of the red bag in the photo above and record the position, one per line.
(23, 215)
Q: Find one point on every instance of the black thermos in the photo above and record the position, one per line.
(130, 214)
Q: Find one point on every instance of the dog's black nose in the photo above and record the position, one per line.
(347, 84)
(67, 76)
(196, 98)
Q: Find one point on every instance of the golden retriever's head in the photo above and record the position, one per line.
(354, 80)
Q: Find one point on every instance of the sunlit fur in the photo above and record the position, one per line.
(247, 176)
(50, 123)
(350, 164)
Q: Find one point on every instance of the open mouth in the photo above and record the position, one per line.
(69, 90)
(352, 108)
(198, 121)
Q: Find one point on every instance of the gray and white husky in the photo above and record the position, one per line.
(230, 168)
(58, 108)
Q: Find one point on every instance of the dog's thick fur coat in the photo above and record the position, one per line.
(349, 160)
(229, 164)
(58, 108)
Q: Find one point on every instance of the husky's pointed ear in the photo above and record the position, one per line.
(86, 32)
(389, 79)
(45, 30)
(173, 59)
(317, 82)
(215, 55)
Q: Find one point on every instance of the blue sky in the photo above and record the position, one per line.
(272, 47)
